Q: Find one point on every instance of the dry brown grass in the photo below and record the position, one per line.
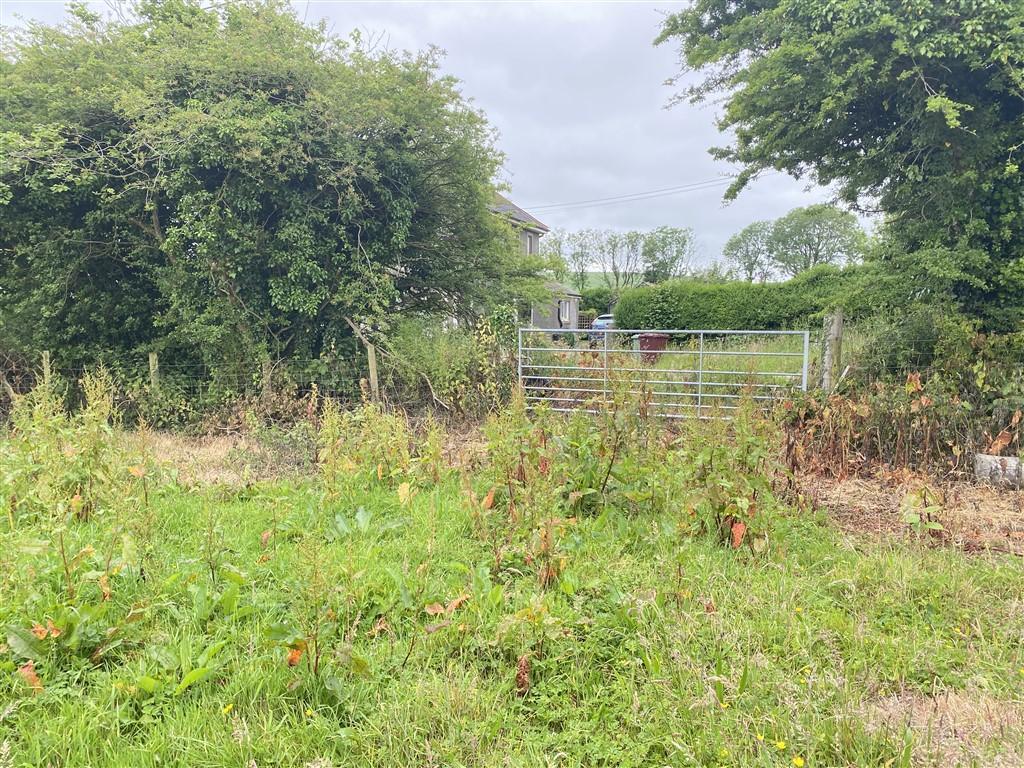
(974, 517)
(955, 728)
(234, 459)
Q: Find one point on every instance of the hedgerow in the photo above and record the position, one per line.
(738, 304)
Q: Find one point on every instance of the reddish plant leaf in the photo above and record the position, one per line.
(455, 604)
(488, 501)
(54, 631)
(544, 466)
(739, 530)
(432, 628)
(434, 609)
(709, 606)
(28, 674)
(265, 538)
(294, 657)
(1000, 442)
(39, 631)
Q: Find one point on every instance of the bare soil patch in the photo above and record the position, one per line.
(974, 517)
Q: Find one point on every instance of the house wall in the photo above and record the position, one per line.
(529, 240)
(547, 316)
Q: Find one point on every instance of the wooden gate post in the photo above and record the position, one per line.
(267, 374)
(154, 372)
(371, 359)
(832, 352)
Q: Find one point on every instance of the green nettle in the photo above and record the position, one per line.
(229, 182)
(915, 107)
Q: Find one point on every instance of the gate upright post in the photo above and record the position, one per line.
(519, 361)
(607, 393)
(807, 346)
(700, 377)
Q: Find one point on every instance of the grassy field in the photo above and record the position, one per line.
(403, 608)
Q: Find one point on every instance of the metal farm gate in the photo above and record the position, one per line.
(676, 374)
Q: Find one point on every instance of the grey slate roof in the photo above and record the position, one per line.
(560, 289)
(506, 207)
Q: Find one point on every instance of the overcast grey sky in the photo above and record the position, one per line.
(577, 92)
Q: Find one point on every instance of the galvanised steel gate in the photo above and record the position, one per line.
(674, 374)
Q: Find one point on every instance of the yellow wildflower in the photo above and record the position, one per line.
(798, 762)
(780, 745)
(227, 708)
(760, 737)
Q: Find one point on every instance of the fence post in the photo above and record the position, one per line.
(832, 356)
(371, 358)
(46, 365)
(267, 374)
(154, 371)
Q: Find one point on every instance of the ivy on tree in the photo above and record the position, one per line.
(228, 182)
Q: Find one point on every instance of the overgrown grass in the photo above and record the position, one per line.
(520, 612)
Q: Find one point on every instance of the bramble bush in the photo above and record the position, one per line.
(462, 370)
(925, 390)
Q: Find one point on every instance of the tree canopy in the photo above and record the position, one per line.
(623, 258)
(749, 251)
(800, 240)
(812, 235)
(230, 180)
(915, 107)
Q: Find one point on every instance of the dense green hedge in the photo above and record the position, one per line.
(735, 305)
(599, 299)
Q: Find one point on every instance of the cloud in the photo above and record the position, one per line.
(576, 91)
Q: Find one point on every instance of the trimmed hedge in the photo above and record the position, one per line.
(692, 304)
(600, 300)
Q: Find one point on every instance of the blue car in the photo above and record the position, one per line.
(601, 323)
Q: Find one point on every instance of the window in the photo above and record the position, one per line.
(563, 311)
(529, 243)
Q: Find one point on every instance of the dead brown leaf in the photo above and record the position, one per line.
(28, 674)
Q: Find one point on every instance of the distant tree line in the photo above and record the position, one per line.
(624, 259)
(796, 242)
(765, 250)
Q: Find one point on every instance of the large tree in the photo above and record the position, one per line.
(667, 253)
(225, 180)
(813, 235)
(913, 106)
(749, 251)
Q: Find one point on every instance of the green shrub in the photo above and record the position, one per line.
(600, 300)
(55, 463)
(735, 305)
(466, 370)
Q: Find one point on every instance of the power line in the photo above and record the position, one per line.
(664, 192)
